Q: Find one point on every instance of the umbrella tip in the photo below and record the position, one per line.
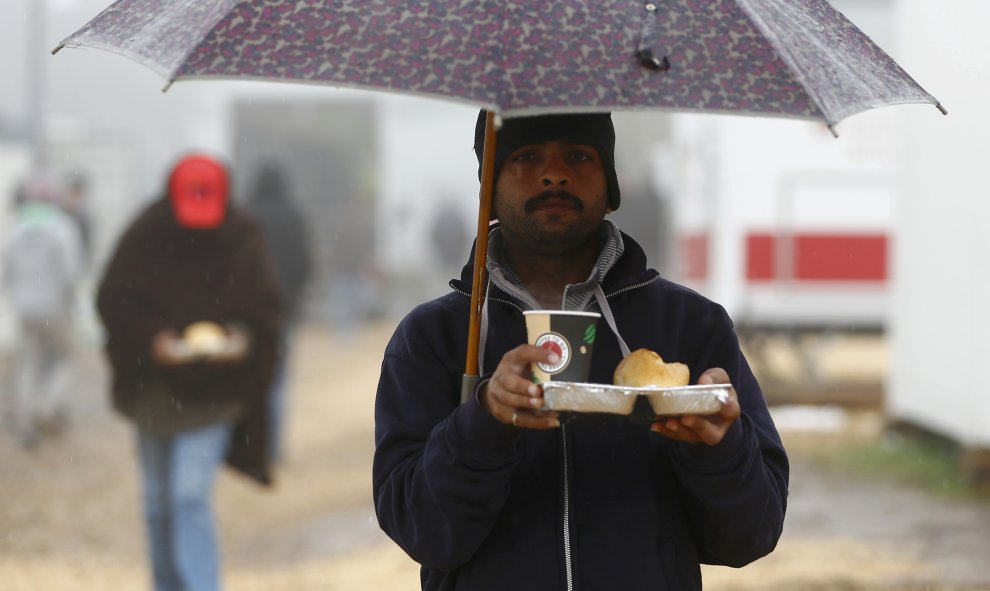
(941, 108)
(835, 133)
(57, 48)
(167, 85)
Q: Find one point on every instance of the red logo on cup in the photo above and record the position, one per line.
(557, 344)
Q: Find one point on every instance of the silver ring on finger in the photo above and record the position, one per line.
(515, 417)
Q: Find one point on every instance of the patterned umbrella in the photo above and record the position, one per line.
(791, 58)
(786, 58)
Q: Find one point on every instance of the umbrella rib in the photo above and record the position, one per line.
(172, 77)
(152, 31)
(789, 59)
(863, 90)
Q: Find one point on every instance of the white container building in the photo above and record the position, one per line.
(941, 273)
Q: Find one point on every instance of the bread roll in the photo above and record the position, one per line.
(643, 367)
(205, 337)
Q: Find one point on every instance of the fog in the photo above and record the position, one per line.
(853, 267)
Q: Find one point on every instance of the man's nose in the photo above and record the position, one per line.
(555, 172)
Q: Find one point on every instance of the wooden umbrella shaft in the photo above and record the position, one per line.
(480, 280)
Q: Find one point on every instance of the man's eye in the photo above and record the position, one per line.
(522, 156)
(581, 156)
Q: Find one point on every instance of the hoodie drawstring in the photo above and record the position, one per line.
(610, 319)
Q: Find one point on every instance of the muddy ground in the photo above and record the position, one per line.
(69, 516)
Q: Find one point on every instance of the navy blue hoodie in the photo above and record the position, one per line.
(601, 503)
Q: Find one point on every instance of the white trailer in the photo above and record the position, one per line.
(941, 312)
(883, 229)
(790, 229)
(782, 223)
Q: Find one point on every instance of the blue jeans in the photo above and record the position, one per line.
(178, 473)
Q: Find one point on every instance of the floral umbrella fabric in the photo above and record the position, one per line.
(790, 58)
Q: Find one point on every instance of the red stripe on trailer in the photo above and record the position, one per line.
(834, 257)
(760, 253)
(816, 257)
(693, 248)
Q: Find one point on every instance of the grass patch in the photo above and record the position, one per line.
(919, 459)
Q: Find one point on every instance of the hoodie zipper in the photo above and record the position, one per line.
(568, 568)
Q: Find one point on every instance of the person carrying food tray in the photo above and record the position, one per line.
(192, 314)
(495, 493)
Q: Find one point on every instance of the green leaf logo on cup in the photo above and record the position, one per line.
(571, 335)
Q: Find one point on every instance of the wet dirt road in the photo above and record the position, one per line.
(69, 517)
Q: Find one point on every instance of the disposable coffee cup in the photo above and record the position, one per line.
(571, 335)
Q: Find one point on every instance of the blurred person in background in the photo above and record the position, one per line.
(271, 202)
(19, 195)
(353, 280)
(449, 236)
(42, 267)
(190, 305)
(494, 493)
(74, 200)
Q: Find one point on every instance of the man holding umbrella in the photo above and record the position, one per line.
(490, 494)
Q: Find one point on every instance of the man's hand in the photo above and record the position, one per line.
(235, 348)
(703, 428)
(512, 397)
(167, 348)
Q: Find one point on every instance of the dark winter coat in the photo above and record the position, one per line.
(601, 503)
(164, 276)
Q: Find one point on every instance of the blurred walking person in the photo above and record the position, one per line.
(190, 305)
(42, 266)
(75, 201)
(272, 203)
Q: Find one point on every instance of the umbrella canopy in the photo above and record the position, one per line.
(790, 58)
(786, 58)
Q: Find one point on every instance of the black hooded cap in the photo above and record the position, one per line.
(593, 129)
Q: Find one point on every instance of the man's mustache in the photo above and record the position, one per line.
(536, 201)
